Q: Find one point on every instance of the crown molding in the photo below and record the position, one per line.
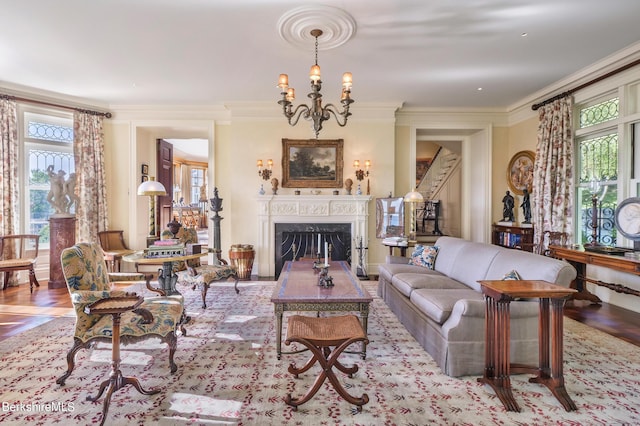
(51, 97)
(607, 64)
(219, 113)
(415, 116)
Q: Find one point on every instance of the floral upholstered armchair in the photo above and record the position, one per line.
(88, 281)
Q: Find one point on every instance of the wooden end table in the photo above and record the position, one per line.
(116, 306)
(498, 296)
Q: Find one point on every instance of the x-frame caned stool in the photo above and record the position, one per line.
(319, 334)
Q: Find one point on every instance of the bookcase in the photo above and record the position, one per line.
(513, 236)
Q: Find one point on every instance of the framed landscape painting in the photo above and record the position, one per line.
(312, 163)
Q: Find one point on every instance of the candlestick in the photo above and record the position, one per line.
(326, 254)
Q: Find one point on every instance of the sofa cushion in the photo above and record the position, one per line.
(472, 262)
(388, 270)
(407, 282)
(424, 256)
(437, 304)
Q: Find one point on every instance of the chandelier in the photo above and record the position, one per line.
(315, 113)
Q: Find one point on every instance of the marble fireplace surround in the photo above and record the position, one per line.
(313, 209)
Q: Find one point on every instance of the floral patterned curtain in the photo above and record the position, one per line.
(553, 191)
(88, 150)
(8, 166)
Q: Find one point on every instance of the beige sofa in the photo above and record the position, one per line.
(444, 308)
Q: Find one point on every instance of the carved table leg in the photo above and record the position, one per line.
(552, 375)
(116, 379)
(279, 313)
(497, 363)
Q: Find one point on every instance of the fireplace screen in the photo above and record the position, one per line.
(304, 241)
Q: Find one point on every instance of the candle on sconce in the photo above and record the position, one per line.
(326, 254)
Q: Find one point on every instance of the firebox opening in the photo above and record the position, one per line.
(301, 240)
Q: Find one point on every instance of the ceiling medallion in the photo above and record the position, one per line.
(336, 25)
(299, 27)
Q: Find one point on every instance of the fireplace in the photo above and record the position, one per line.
(342, 218)
(300, 240)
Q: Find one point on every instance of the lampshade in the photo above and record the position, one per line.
(413, 197)
(151, 187)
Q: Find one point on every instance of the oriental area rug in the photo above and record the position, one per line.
(229, 375)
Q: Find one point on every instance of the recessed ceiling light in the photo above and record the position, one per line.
(524, 34)
(479, 89)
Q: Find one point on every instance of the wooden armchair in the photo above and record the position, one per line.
(114, 247)
(19, 253)
(85, 272)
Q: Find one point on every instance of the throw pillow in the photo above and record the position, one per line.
(424, 256)
(511, 276)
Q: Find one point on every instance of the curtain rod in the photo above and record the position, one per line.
(33, 101)
(535, 107)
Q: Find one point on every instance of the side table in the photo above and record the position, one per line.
(166, 277)
(402, 248)
(498, 296)
(116, 306)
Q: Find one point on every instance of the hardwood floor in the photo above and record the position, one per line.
(21, 311)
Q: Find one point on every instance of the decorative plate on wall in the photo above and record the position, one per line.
(627, 217)
(520, 172)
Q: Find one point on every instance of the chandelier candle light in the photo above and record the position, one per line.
(316, 113)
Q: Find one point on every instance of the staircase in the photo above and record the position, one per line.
(443, 163)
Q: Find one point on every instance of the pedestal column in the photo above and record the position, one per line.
(63, 234)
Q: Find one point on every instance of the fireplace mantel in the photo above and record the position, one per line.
(272, 209)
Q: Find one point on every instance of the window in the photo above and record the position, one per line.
(197, 182)
(606, 160)
(48, 154)
(598, 188)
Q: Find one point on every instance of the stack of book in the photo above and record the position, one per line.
(166, 248)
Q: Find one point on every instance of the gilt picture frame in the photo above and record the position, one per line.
(312, 163)
(520, 172)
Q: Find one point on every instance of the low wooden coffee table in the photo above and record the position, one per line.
(297, 290)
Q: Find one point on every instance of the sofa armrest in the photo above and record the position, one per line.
(396, 259)
(468, 317)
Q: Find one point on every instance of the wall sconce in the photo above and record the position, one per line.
(360, 175)
(265, 173)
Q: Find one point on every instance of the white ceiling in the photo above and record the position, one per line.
(419, 53)
(191, 149)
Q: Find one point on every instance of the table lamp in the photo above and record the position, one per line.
(152, 188)
(413, 197)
